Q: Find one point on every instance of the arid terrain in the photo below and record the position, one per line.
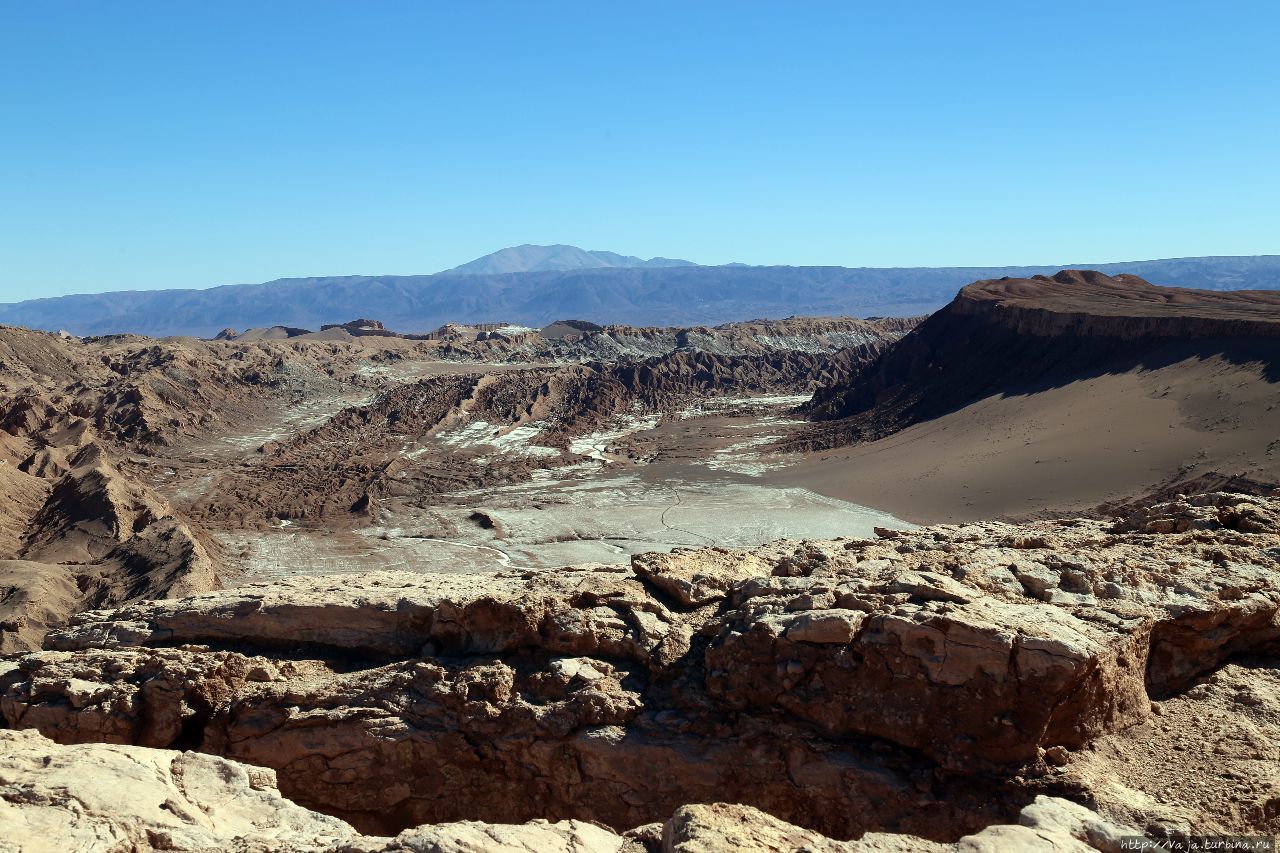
(1002, 578)
(1025, 396)
(138, 468)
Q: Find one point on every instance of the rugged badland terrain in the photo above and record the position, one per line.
(113, 448)
(596, 587)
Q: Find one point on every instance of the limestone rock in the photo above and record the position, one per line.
(102, 797)
(537, 836)
(588, 611)
(915, 676)
(1213, 511)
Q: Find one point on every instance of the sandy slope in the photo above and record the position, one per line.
(1032, 396)
(1073, 446)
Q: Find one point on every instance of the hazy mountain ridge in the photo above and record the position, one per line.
(531, 258)
(663, 296)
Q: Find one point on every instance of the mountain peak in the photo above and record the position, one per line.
(531, 258)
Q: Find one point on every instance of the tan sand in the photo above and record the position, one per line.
(1072, 447)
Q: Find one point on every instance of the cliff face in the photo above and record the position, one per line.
(1090, 304)
(1017, 336)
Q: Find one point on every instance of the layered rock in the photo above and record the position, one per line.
(100, 797)
(104, 797)
(578, 340)
(924, 677)
(1125, 306)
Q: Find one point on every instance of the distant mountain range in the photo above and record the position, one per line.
(530, 258)
(658, 292)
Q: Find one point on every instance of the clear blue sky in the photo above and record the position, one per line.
(188, 144)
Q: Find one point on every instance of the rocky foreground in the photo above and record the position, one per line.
(105, 797)
(981, 687)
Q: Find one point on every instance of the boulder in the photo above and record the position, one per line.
(108, 797)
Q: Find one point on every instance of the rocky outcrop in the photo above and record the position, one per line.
(1048, 825)
(100, 797)
(796, 678)
(108, 797)
(361, 328)
(1213, 511)
(395, 615)
(1092, 304)
(537, 836)
(389, 747)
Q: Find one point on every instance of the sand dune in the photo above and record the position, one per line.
(1030, 396)
(1072, 447)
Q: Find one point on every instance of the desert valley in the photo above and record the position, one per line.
(895, 470)
(1002, 576)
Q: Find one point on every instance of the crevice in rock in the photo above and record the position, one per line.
(1185, 649)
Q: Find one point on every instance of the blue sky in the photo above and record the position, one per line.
(188, 144)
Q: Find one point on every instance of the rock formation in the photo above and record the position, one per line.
(105, 797)
(327, 471)
(79, 527)
(100, 797)
(1056, 684)
(930, 682)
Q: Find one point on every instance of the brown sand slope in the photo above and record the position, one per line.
(1046, 394)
